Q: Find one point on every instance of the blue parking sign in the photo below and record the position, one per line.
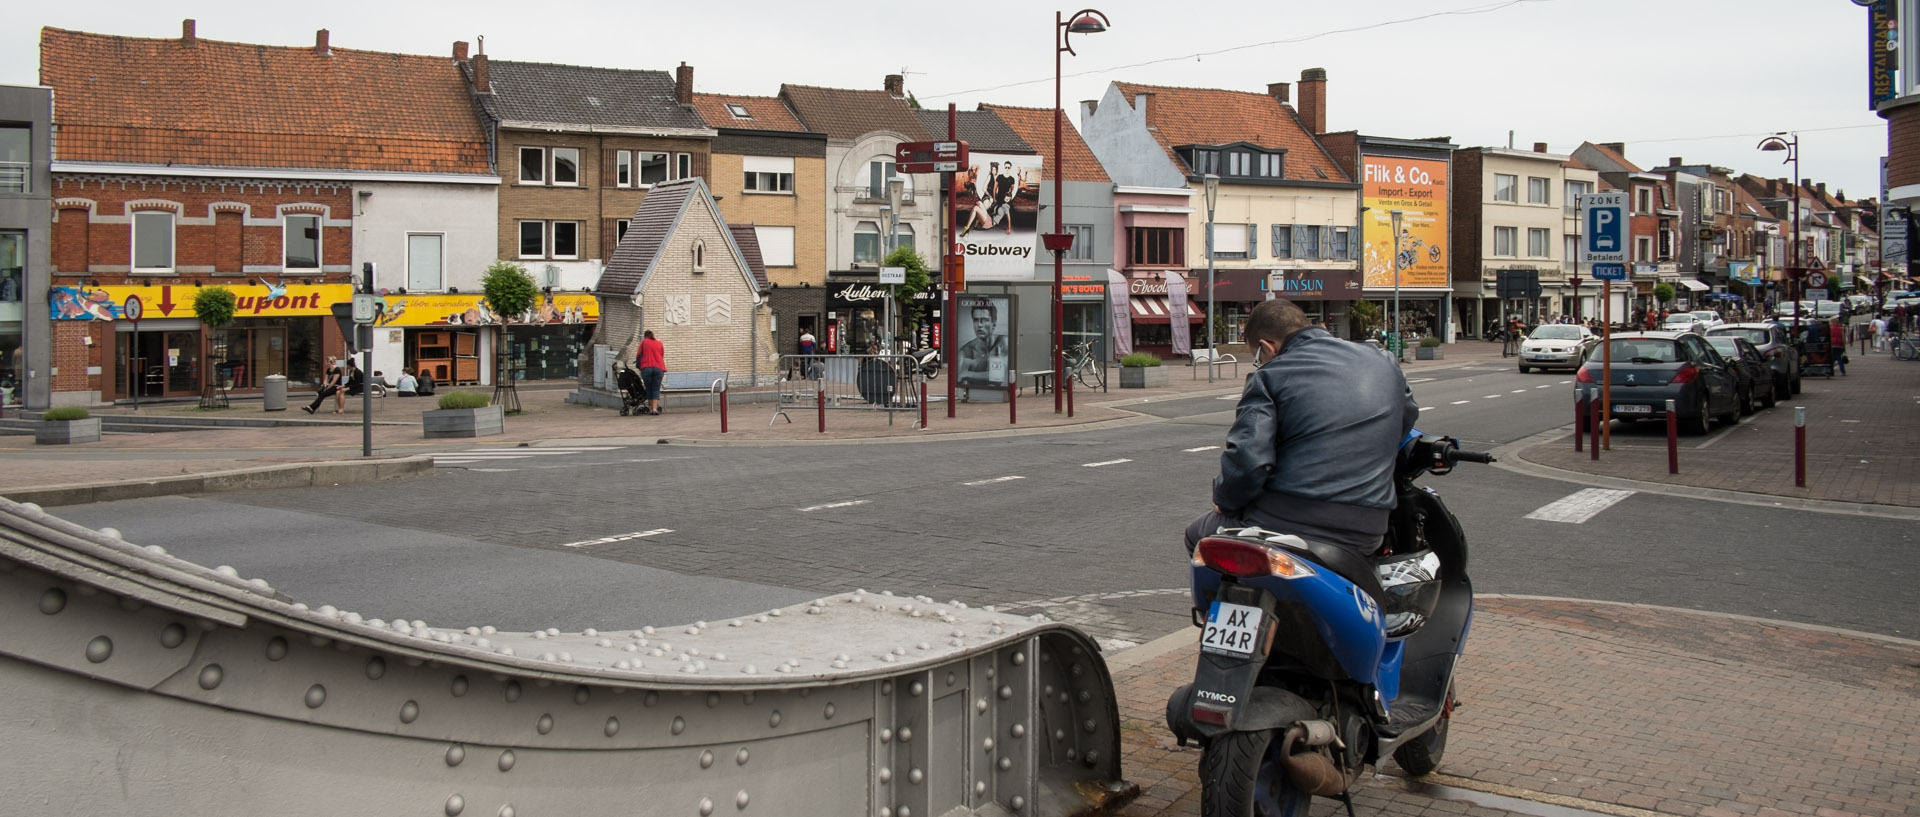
(1605, 219)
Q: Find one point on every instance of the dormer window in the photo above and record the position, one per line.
(1239, 160)
(738, 110)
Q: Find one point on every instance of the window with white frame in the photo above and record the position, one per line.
(533, 239)
(1643, 200)
(623, 168)
(866, 243)
(1643, 249)
(301, 243)
(1270, 165)
(1230, 240)
(653, 167)
(776, 245)
(424, 260)
(16, 159)
(767, 174)
(620, 229)
(152, 241)
(1539, 190)
(566, 239)
(1503, 186)
(550, 239)
(1570, 250)
(566, 167)
(1574, 191)
(533, 165)
(903, 236)
(1504, 239)
(1539, 243)
(1082, 249)
(683, 165)
(879, 172)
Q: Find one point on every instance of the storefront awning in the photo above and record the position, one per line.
(1153, 309)
(1693, 285)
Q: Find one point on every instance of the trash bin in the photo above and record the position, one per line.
(275, 397)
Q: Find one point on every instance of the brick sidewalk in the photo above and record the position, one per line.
(1612, 707)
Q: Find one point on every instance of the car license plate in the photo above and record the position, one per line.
(1232, 629)
(1625, 409)
(1538, 356)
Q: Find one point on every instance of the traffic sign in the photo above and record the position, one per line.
(133, 308)
(1817, 279)
(1609, 272)
(930, 157)
(893, 275)
(1606, 234)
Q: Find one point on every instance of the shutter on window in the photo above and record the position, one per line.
(609, 169)
(609, 237)
(1277, 242)
(1253, 241)
(1326, 242)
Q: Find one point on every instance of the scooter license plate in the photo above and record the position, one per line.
(1232, 629)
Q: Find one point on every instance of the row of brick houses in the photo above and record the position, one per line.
(286, 174)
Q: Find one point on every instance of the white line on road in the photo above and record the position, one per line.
(1098, 464)
(1490, 397)
(1565, 382)
(991, 481)
(459, 459)
(1228, 397)
(532, 451)
(1547, 386)
(1201, 448)
(608, 540)
(834, 505)
(1459, 402)
(1419, 380)
(1427, 408)
(493, 470)
(1579, 506)
(1518, 391)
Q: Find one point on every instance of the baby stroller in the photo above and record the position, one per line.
(633, 393)
(1817, 353)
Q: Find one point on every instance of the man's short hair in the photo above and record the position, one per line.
(1274, 321)
(993, 312)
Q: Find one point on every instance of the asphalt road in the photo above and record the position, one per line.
(1083, 526)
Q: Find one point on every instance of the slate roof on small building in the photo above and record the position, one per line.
(981, 130)
(763, 113)
(749, 243)
(844, 113)
(1035, 127)
(220, 104)
(653, 224)
(585, 96)
(1211, 116)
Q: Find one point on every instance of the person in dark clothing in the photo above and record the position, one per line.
(1315, 437)
(424, 383)
(336, 380)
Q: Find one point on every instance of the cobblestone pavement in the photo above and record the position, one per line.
(1616, 709)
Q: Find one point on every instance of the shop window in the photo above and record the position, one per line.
(302, 243)
(152, 242)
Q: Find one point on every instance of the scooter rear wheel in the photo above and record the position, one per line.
(1241, 775)
(1421, 755)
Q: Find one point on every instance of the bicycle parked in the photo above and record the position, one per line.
(1082, 366)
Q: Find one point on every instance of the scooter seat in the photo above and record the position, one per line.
(1343, 562)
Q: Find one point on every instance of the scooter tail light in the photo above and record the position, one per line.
(1244, 559)
(1687, 374)
(1203, 714)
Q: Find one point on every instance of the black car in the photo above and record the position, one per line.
(1771, 339)
(1650, 368)
(1755, 376)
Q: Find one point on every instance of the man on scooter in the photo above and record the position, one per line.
(1314, 439)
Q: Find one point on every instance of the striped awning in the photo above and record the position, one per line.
(1154, 309)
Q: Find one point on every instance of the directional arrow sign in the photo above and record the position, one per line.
(930, 157)
(166, 301)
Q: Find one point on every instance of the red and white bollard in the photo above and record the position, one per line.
(1799, 446)
(822, 394)
(923, 405)
(1013, 390)
(1598, 419)
(1579, 421)
(723, 411)
(1673, 439)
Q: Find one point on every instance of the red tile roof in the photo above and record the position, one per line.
(1209, 116)
(1574, 164)
(1035, 127)
(845, 113)
(160, 101)
(768, 113)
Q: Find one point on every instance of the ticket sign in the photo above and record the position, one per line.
(1609, 272)
(1605, 217)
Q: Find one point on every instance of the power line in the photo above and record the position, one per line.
(1484, 9)
(1881, 125)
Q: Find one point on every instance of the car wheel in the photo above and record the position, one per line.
(1700, 423)
(1772, 397)
(1523, 368)
(1733, 412)
(1795, 387)
(1747, 407)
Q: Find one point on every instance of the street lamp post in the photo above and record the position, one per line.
(1791, 144)
(1213, 197)
(1084, 21)
(896, 191)
(1400, 342)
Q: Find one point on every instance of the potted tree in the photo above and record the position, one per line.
(215, 307)
(463, 414)
(1429, 349)
(66, 424)
(1663, 294)
(903, 294)
(1141, 371)
(509, 291)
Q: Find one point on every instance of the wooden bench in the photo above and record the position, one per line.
(1042, 380)
(1214, 358)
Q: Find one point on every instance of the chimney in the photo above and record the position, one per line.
(683, 84)
(187, 36)
(480, 84)
(320, 45)
(1539, 147)
(1822, 187)
(1140, 102)
(1313, 99)
(459, 50)
(1619, 148)
(1282, 91)
(896, 86)
(1087, 107)
(1675, 161)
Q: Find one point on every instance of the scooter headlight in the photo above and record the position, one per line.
(1244, 559)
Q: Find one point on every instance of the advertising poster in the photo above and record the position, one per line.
(986, 341)
(998, 198)
(1417, 188)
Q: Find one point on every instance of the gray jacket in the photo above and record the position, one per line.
(1313, 444)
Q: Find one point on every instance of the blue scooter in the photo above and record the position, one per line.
(1316, 662)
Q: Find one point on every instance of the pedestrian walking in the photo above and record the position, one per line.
(1839, 334)
(652, 362)
(1879, 330)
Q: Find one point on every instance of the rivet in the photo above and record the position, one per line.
(1059, 734)
(886, 735)
(1006, 692)
(916, 689)
(713, 699)
(706, 758)
(1064, 697)
(544, 725)
(455, 754)
(211, 675)
(886, 811)
(774, 720)
(679, 725)
(1072, 754)
(1019, 658)
(950, 679)
(53, 601)
(1006, 763)
(1017, 802)
(905, 812)
(459, 687)
(513, 691)
(376, 667)
(506, 760)
(651, 699)
(1020, 730)
(455, 805)
(1046, 690)
(886, 687)
(886, 775)
(740, 800)
(409, 712)
(276, 646)
(613, 727)
(506, 811)
(1088, 724)
(740, 757)
(706, 806)
(906, 734)
(746, 698)
(1077, 670)
(980, 787)
(173, 635)
(1085, 696)
(990, 673)
(316, 695)
(1093, 756)
(987, 745)
(828, 712)
(916, 776)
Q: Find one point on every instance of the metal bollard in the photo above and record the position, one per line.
(1013, 389)
(1673, 439)
(723, 411)
(1579, 421)
(1595, 420)
(822, 402)
(1799, 446)
(923, 405)
(1068, 385)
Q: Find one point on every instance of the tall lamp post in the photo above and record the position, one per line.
(1790, 142)
(896, 191)
(1084, 21)
(1213, 197)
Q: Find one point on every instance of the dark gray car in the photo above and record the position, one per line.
(1771, 339)
(1756, 380)
(1650, 368)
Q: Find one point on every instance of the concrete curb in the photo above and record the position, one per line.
(291, 475)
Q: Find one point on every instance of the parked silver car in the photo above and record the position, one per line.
(1557, 346)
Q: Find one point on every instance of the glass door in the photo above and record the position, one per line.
(182, 362)
(269, 355)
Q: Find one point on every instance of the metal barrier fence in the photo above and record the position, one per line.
(148, 684)
(822, 383)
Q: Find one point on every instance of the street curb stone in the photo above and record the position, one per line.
(291, 475)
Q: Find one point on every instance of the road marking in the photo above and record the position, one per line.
(1490, 397)
(493, 470)
(1547, 386)
(991, 481)
(442, 459)
(1459, 402)
(834, 505)
(1098, 464)
(1518, 391)
(1428, 408)
(1419, 380)
(1579, 506)
(608, 540)
(1201, 448)
(1565, 382)
(1228, 397)
(530, 450)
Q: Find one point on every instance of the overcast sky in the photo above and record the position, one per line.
(1700, 79)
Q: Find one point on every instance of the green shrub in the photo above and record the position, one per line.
(64, 413)
(1139, 360)
(215, 306)
(1430, 341)
(464, 400)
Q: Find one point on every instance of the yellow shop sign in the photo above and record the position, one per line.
(176, 301)
(472, 310)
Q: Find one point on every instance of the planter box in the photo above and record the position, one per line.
(63, 432)
(1142, 377)
(1429, 353)
(480, 422)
